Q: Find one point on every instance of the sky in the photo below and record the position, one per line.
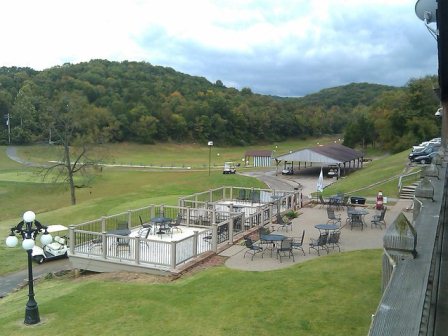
(275, 47)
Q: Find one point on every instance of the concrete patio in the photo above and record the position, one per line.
(369, 238)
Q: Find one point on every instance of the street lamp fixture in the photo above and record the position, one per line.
(210, 145)
(29, 228)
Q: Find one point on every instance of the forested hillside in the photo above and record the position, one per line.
(136, 101)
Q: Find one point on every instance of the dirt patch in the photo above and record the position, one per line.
(212, 261)
(127, 277)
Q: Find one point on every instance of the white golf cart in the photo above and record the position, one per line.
(229, 168)
(56, 249)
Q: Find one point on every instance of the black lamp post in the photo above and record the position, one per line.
(29, 228)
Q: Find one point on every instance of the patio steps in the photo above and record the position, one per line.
(407, 192)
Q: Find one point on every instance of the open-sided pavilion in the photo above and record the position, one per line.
(333, 155)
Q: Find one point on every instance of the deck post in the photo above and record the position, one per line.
(214, 237)
(188, 217)
(173, 255)
(195, 243)
(104, 240)
(129, 219)
(137, 250)
(71, 240)
(103, 224)
(231, 223)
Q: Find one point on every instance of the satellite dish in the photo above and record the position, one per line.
(426, 10)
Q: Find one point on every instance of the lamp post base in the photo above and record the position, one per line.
(31, 313)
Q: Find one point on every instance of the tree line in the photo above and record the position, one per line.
(103, 101)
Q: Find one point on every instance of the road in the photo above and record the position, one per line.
(12, 281)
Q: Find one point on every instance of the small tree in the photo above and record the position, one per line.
(76, 127)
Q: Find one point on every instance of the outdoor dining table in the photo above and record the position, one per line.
(359, 212)
(326, 227)
(272, 238)
(120, 232)
(162, 222)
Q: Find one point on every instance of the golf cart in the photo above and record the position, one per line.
(229, 168)
(56, 249)
(288, 169)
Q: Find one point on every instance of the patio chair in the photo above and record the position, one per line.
(223, 233)
(297, 243)
(319, 243)
(332, 217)
(145, 228)
(350, 210)
(285, 248)
(96, 243)
(333, 240)
(252, 248)
(378, 220)
(122, 245)
(283, 224)
(176, 224)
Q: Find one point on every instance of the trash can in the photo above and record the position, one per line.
(357, 200)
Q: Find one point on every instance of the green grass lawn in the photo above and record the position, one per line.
(331, 295)
(169, 154)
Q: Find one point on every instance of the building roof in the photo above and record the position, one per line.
(260, 152)
(328, 154)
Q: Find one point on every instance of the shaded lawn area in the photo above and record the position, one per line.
(331, 295)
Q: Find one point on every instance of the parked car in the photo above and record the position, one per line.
(288, 171)
(425, 158)
(430, 148)
(426, 143)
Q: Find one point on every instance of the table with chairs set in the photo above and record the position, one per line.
(159, 226)
(282, 245)
(327, 236)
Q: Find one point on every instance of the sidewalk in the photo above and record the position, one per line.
(369, 238)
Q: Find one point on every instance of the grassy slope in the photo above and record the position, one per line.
(378, 170)
(332, 295)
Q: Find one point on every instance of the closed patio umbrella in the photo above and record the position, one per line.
(320, 181)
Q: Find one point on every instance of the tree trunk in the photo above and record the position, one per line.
(69, 173)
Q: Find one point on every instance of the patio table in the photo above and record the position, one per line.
(272, 238)
(361, 213)
(162, 222)
(326, 227)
